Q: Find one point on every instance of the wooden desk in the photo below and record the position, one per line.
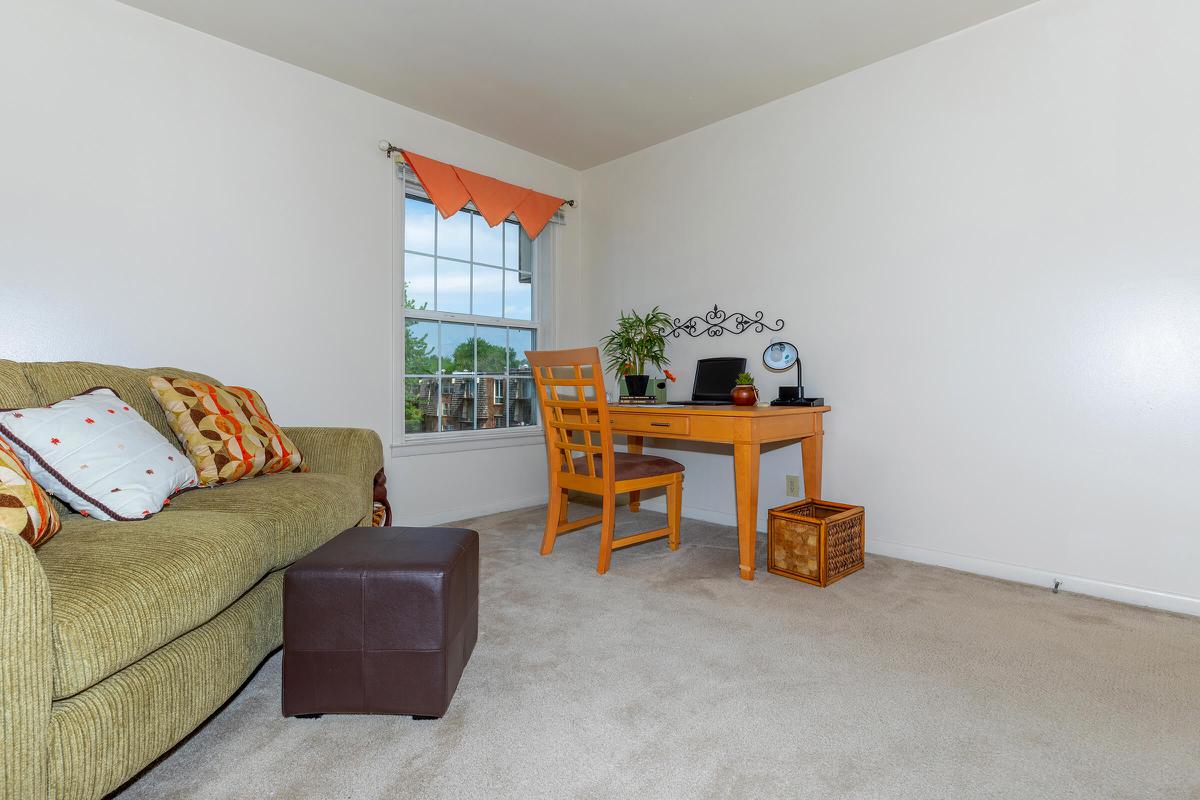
(747, 428)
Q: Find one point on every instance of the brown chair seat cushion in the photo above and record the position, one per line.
(631, 466)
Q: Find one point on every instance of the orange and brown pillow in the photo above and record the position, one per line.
(25, 508)
(225, 430)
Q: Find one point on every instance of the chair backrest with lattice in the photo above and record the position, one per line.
(570, 392)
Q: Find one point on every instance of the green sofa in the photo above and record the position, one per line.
(119, 638)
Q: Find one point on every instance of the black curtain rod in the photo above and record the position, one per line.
(388, 148)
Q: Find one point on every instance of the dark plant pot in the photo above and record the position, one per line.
(744, 395)
(636, 384)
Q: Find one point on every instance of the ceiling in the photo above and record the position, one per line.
(577, 82)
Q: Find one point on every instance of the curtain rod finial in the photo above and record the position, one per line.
(387, 148)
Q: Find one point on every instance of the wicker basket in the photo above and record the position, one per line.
(815, 541)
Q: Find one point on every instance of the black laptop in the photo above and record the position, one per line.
(715, 379)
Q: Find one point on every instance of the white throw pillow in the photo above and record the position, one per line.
(98, 455)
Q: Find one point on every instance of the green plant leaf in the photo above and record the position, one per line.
(637, 340)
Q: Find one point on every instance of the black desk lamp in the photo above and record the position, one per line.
(780, 356)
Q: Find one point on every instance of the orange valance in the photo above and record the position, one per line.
(450, 188)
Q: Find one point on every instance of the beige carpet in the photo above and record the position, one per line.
(671, 678)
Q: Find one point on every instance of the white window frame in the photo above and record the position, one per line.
(543, 258)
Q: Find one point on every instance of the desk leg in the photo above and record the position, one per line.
(745, 478)
(634, 445)
(810, 450)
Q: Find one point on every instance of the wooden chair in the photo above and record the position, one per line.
(579, 449)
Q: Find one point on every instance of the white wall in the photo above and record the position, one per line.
(167, 198)
(985, 248)
(988, 252)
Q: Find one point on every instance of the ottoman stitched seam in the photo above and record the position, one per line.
(362, 618)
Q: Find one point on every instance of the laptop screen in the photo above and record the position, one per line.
(715, 377)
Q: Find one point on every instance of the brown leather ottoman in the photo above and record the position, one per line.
(380, 621)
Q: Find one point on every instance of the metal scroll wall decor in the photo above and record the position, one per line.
(718, 322)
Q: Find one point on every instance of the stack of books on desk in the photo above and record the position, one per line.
(637, 400)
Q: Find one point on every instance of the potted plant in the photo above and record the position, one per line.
(744, 393)
(637, 340)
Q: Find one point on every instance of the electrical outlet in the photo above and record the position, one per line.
(793, 485)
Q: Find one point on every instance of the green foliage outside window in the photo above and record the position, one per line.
(419, 356)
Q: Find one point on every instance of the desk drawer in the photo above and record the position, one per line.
(675, 424)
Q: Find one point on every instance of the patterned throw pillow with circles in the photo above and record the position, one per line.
(25, 508)
(226, 430)
(98, 455)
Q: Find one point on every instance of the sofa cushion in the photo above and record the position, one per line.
(15, 389)
(58, 380)
(123, 589)
(294, 512)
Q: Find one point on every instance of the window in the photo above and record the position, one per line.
(471, 311)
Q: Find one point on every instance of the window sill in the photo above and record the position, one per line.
(429, 445)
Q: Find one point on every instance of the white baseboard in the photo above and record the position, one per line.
(467, 512)
(702, 514)
(1133, 595)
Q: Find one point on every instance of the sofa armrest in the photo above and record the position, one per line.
(357, 452)
(26, 671)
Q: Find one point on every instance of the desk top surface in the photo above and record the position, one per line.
(729, 410)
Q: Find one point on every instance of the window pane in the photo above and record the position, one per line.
(518, 295)
(519, 340)
(512, 234)
(461, 376)
(458, 347)
(418, 281)
(418, 225)
(490, 402)
(420, 347)
(454, 236)
(453, 286)
(458, 404)
(525, 246)
(488, 247)
(490, 349)
(474, 408)
(522, 408)
(420, 405)
(488, 291)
